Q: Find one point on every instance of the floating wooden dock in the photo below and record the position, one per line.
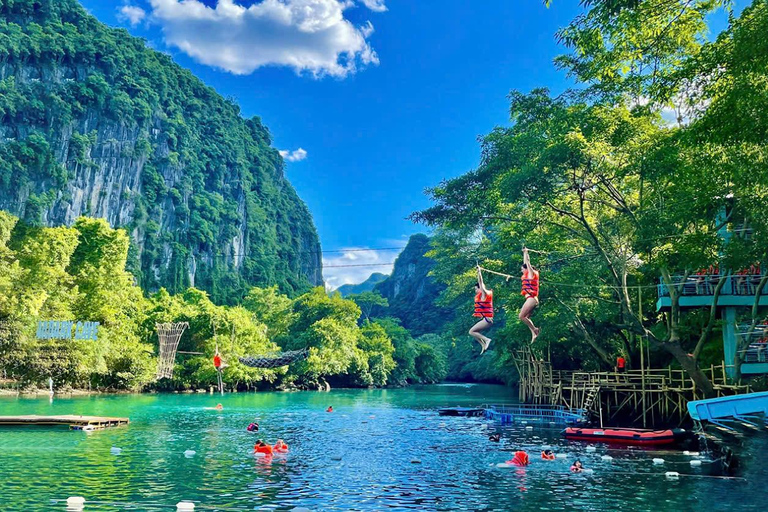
(73, 422)
(461, 411)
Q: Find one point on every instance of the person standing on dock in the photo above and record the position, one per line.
(530, 290)
(621, 364)
(483, 310)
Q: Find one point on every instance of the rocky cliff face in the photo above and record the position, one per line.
(94, 123)
(411, 292)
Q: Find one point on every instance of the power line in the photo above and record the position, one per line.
(360, 265)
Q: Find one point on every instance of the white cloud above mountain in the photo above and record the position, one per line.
(343, 268)
(132, 14)
(293, 156)
(309, 36)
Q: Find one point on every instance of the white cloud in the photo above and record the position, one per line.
(293, 156)
(375, 5)
(307, 35)
(338, 270)
(132, 14)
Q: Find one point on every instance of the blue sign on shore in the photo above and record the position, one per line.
(62, 330)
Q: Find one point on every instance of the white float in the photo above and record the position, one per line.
(115, 450)
(189, 453)
(658, 461)
(672, 475)
(528, 428)
(591, 449)
(607, 457)
(185, 506)
(695, 463)
(75, 501)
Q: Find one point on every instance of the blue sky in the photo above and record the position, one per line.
(385, 97)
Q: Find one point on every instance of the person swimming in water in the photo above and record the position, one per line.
(520, 459)
(262, 447)
(281, 447)
(494, 438)
(219, 407)
(329, 409)
(253, 427)
(577, 467)
(548, 455)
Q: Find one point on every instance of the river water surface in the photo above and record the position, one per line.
(395, 453)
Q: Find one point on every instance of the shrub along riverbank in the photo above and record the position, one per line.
(79, 273)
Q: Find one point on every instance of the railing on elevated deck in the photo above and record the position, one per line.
(654, 378)
(704, 285)
(757, 342)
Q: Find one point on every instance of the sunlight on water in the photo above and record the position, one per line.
(380, 449)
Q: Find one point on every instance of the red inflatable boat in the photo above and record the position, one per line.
(626, 435)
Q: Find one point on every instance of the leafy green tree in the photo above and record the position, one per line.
(378, 348)
(271, 308)
(367, 301)
(430, 362)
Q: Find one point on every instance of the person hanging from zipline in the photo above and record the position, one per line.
(530, 291)
(483, 310)
(219, 366)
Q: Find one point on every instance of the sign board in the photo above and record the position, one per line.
(62, 330)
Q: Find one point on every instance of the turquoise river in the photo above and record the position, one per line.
(378, 450)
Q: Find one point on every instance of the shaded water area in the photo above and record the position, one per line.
(376, 433)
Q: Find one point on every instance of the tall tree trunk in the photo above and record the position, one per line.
(691, 367)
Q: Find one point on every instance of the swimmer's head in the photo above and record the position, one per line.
(577, 464)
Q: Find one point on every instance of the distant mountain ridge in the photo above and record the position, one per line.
(366, 286)
(411, 292)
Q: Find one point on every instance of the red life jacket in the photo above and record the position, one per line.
(520, 459)
(530, 284)
(484, 308)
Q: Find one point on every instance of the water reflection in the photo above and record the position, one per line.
(358, 458)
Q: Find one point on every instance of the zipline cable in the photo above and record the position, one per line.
(594, 286)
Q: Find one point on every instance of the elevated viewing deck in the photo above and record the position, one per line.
(756, 343)
(698, 291)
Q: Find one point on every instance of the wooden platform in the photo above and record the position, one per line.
(73, 422)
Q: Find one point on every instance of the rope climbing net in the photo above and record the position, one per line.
(169, 335)
(282, 359)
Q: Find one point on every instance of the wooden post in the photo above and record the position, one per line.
(642, 358)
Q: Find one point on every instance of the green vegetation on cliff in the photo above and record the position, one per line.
(94, 123)
(78, 273)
